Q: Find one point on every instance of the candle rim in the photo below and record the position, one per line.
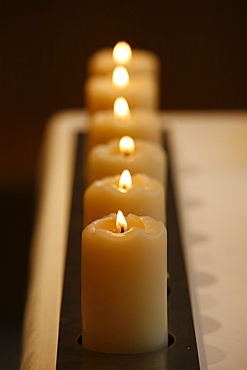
(137, 116)
(150, 61)
(112, 147)
(152, 228)
(150, 184)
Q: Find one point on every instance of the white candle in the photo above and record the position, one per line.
(102, 91)
(139, 194)
(137, 61)
(124, 291)
(108, 160)
(138, 123)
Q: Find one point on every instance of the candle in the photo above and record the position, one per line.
(140, 194)
(139, 156)
(137, 61)
(138, 123)
(124, 277)
(102, 91)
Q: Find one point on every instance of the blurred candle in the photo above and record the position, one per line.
(113, 157)
(137, 61)
(138, 123)
(139, 90)
(124, 277)
(138, 194)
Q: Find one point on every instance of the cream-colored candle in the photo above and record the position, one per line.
(124, 285)
(102, 91)
(137, 61)
(114, 157)
(138, 123)
(138, 194)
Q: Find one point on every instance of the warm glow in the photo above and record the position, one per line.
(121, 108)
(122, 52)
(121, 222)
(120, 77)
(125, 181)
(126, 145)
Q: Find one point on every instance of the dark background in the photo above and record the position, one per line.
(44, 47)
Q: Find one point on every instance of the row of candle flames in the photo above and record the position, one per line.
(121, 55)
(158, 333)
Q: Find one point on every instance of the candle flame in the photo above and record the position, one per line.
(120, 77)
(121, 108)
(125, 181)
(122, 52)
(121, 222)
(126, 145)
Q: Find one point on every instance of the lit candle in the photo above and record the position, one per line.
(102, 91)
(142, 156)
(124, 277)
(138, 194)
(137, 61)
(138, 123)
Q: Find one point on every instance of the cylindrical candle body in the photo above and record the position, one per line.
(144, 198)
(141, 91)
(142, 124)
(142, 62)
(124, 286)
(106, 160)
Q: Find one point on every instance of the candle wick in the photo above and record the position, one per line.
(122, 229)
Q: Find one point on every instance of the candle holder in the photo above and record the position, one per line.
(182, 351)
